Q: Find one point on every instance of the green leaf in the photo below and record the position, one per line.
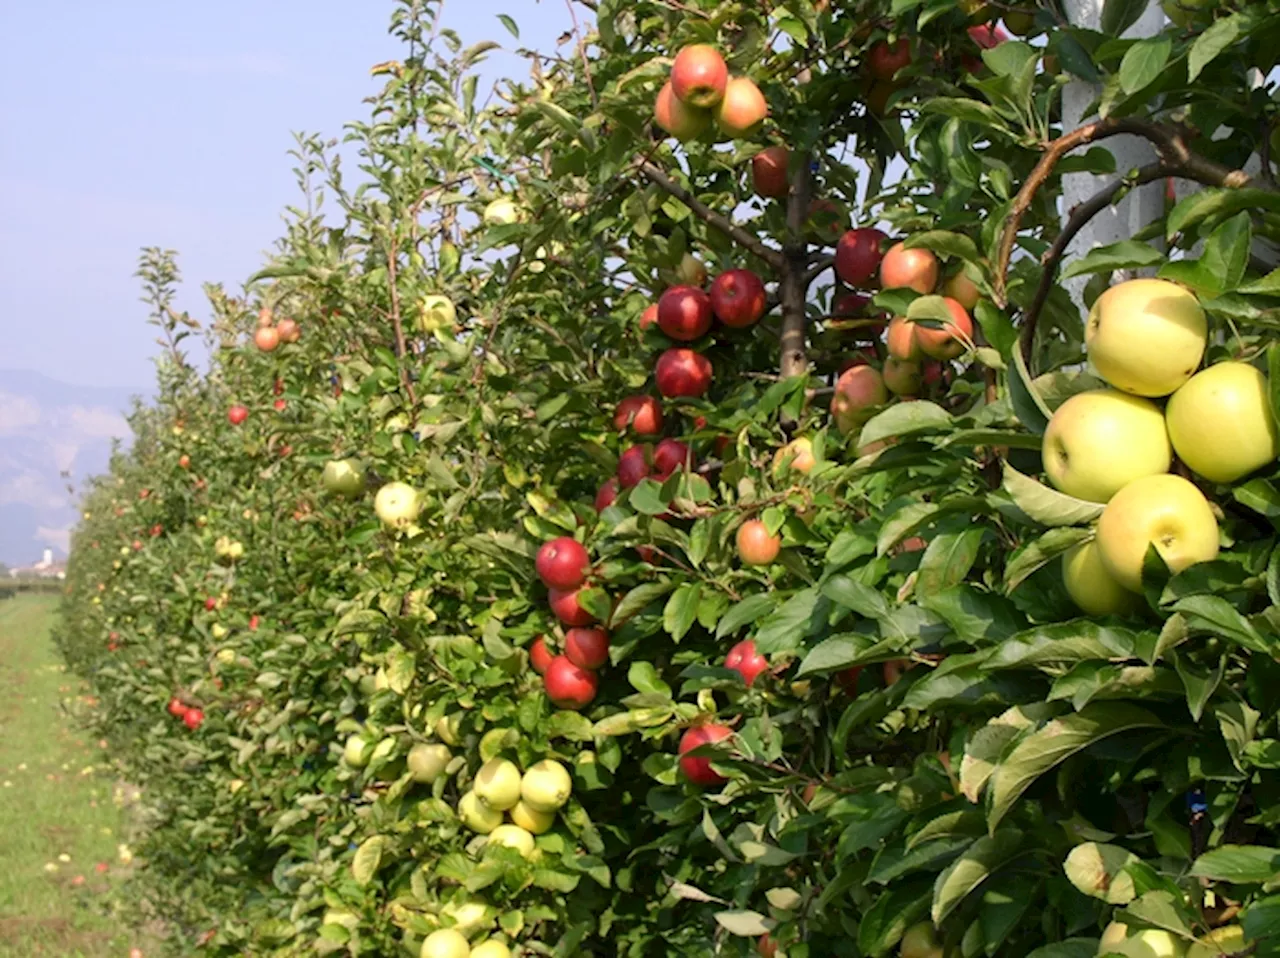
(745, 924)
(1068, 948)
(1226, 251)
(837, 652)
(638, 599)
(1027, 403)
(1058, 740)
(510, 25)
(647, 498)
(644, 678)
(1144, 61)
(746, 612)
(848, 592)
(1217, 202)
(367, 859)
(1210, 44)
(799, 617)
(1036, 555)
(682, 609)
(1239, 864)
(903, 419)
(955, 245)
(1216, 616)
(1126, 254)
(1098, 870)
(947, 559)
(985, 856)
(1119, 15)
(1161, 909)
(1269, 285)
(1045, 505)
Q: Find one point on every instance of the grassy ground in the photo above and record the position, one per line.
(61, 818)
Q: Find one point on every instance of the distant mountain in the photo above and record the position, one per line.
(47, 428)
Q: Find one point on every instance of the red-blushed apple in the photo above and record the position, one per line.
(858, 392)
(743, 108)
(933, 373)
(177, 708)
(885, 59)
(858, 255)
(564, 605)
(699, 75)
(901, 339)
(266, 339)
(894, 669)
(952, 339)
(184, 461)
(288, 330)
(769, 172)
(755, 545)
(608, 494)
(849, 304)
(669, 456)
(280, 405)
(963, 290)
(766, 946)
(539, 655)
(681, 120)
(157, 530)
(265, 317)
(253, 623)
(237, 414)
(684, 313)
(698, 770)
(847, 679)
(877, 97)
(989, 35)
(562, 563)
(649, 316)
(634, 464)
(193, 718)
(909, 268)
(683, 372)
(902, 376)
(210, 604)
(587, 648)
(569, 686)
(641, 414)
(746, 661)
(738, 298)
(797, 454)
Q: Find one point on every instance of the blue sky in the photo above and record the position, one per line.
(158, 123)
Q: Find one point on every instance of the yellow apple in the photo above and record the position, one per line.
(1091, 586)
(497, 784)
(501, 212)
(1165, 511)
(1227, 940)
(436, 312)
(1146, 336)
(478, 816)
(446, 943)
(1099, 441)
(427, 762)
(343, 477)
(530, 819)
(356, 752)
(397, 505)
(920, 941)
(513, 836)
(546, 786)
(1221, 422)
(1148, 943)
(493, 948)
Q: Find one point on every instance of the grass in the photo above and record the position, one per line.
(61, 817)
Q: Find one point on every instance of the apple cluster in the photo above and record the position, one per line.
(191, 716)
(569, 678)
(271, 333)
(1146, 338)
(701, 90)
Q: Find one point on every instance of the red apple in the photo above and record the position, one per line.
(193, 718)
(885, 60)
(743, 108)
(679, 119)
(177, 708)
(266, 339)
(902, 377)
(683, 372)
(847, 679)
(989, 35)
(858, 391)
(848, 305)
(184, 462)
(699, 75)
(633, 465)
(567, 685)
(858, 255)
(540, 656)
(562, 563)
(137, 545)
(649, 316)
(738, 298)
(755, 545)
(210, 604)
(669, 456)
(642, 414)
(288, 330)
(949, 341)
(280, 405)
(608, 494)
(932, 373)
(746, 661)
(910, 268)
(253, 623)
(767, 946)
(900, 339)
(587, 648)
(237, 414)
(684, 313)
(893, 670)
(699, 770)
(769, 171)
(156, 530)
(565, 607)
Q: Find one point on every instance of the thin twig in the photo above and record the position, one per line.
(401, 347)
(823, 264)
(582, 52)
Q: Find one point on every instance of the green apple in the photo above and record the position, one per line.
(530, 819)
(497, 784)
(343, 477)
(501, 212)
(1091, 586)
(1227, 940)
(1099, 441)
(493, 948)
(1221, 422)
(513, 836)
(436, 312)
(427, 762)
(226, 656)
(218, 630)
(1146, 336)
(446, 943)
(1165, 511)
(356, 751)
(1148, 943)
(397, 505)
(447, 727)
(546, 786)
(920, 941)
(478, 816)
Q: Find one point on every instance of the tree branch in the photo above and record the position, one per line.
(792, 288)
(1169, 144)
(744, 238)
(819, 267)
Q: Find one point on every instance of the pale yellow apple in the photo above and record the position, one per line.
(493, 948)
(1227, 940)
(343, 477)
(1099, 441)
(798, 454)
(497, 784)
(501, 212)
(356, 752)
(531, 819)
(436, 312)
(1146, 336)
(1091, 586)
(546, 786)
(513, 836)
(446, 943)
(1166, 511)
(1221, 424)
(478, 816)
(427, 762)
(1147, 943)
(397, 505)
